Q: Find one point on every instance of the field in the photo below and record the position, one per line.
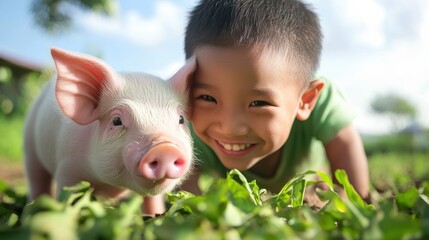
(232, 208)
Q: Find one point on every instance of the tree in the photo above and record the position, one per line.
(398, 108)
(52, 15)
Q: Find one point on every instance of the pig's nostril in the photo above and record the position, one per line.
(153, 165)
(179, 163)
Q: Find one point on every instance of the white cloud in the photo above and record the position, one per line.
(366, 18)
(350, 24)
(166, 23)
(401, 69)
(375, 47)
(424, 30)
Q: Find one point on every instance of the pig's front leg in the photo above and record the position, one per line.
(39, 179)
(153, 205)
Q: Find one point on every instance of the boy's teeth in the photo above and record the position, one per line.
(234, 147)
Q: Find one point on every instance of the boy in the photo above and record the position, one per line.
(254, 103)
(253, 94)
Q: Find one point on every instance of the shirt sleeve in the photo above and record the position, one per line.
(331, 113)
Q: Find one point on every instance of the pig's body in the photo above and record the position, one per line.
(57, 145)
(115, 131)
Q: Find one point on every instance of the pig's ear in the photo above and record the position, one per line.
(181, 78)
(80, 79)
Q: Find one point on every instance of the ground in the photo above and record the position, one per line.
(12, 173)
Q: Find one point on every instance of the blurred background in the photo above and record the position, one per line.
(377, 52)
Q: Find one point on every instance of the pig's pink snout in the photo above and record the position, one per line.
(164, 161)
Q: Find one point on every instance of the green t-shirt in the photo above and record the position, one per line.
(304, 148)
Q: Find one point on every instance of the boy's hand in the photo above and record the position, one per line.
(312, 199)
(153, 205)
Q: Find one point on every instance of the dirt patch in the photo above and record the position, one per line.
(12, 173)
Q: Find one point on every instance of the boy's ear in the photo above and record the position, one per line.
(309, 99)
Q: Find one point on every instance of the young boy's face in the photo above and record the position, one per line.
(243, 105)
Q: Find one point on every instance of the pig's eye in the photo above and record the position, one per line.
(181, 120)
(117, 121)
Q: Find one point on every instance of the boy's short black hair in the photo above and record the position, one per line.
(289, 27)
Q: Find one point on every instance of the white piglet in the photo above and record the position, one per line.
(117, 131)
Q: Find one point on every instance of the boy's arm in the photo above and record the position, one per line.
(153, 205)
(346, 151)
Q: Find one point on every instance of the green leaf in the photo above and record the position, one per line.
(425, 188)
(47, 224)
(351, 193)
(326, 195)
(252, 191)
(124, 223)
(17, 199)
(327, 222)
(180, 201)
(400, 226)
(408, 199)
(174, 198)
(233, 216)
(205, 182)
(423, 211)
(76, 191)
(325, 178)
(357, 217)
(8, 218)
(21, 233)
(42, 203)
(298, 193)
(238, 194)
(288, 186)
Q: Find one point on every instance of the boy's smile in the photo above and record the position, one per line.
(243, 105)
(235, 147)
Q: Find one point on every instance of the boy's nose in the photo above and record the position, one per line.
(232, 124)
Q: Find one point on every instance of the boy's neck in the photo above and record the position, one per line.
(267, 167)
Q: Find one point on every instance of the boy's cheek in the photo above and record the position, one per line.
(197, 111)
(200, 135)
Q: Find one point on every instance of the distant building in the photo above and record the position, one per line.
(417, 134)
(14, 73)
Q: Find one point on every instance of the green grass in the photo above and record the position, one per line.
(398, 171)
(11, 130)
(231, 208)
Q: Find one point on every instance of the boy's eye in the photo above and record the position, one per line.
(259, 103)
(207, 98)
(117, 121)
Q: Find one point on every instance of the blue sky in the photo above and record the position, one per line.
(370, 47)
